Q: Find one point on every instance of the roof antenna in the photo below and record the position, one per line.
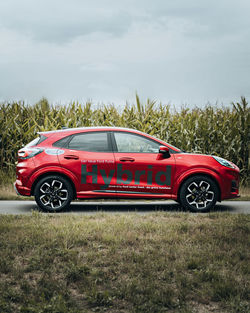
(64, 127)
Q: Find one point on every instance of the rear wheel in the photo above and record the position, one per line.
(53, 193)
(199, 194)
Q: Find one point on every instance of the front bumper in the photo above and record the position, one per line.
(230, 183)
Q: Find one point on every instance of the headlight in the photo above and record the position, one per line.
(223, 161)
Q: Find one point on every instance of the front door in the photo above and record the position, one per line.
(141, 170)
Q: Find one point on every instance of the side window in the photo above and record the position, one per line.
(94, 141)
(127, 142)
(61, 142)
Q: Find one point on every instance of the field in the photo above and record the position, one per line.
(159, 262)
(217, 130)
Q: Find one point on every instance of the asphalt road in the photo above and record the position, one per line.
(143, 207)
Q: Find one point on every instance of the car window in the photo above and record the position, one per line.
(127, 142)
(95, 142)
(61, 142)
(36, 141)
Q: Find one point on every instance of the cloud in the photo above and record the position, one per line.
(61, 21)
(180, 51)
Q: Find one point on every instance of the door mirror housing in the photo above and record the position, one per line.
(164, 151)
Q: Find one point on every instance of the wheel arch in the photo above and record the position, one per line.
(199, 174)
(42, 175)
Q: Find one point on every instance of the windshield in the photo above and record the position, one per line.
(169, 145)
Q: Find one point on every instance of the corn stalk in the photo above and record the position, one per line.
(223, 131)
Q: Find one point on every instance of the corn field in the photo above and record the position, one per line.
(217, 130)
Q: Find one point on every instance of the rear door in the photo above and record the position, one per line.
(88, 155)
(141, 170)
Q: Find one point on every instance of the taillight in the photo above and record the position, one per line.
(28, 153)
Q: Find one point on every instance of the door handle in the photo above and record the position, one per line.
(71, 156)
(126, 159)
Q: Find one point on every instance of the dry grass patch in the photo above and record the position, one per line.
(124, 263)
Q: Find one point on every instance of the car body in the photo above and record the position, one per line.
(113, 162)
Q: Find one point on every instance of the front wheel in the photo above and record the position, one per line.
(53, 193)
(199, 194)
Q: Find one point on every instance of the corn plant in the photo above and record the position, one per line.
(218, 130)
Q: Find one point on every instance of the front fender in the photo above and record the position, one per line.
(197, 171)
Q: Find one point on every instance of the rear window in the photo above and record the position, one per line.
(36, 141)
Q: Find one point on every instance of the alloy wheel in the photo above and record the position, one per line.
(53, 194)
(199, 194)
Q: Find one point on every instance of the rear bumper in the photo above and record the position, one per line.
(16, 190)
(20, 189)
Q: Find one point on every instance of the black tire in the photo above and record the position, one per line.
(53, 193)
(199, 194)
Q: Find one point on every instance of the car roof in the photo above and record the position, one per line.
(89, 128)
(102, 128)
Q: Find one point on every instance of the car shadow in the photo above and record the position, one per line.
(121, 207)
(85, 207)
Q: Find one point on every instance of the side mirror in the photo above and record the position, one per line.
(164, 151)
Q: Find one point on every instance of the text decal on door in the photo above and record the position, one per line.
(125, 176)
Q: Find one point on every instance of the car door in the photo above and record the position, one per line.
(141, 169)
(88, 155)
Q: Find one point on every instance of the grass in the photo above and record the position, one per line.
(158, 262)
(7, 192)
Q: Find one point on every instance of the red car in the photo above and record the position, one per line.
(111, 162)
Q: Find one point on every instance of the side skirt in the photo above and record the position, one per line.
(123, 194)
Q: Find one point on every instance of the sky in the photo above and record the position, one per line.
(174, 51)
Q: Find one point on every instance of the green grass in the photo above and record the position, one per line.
(158, 262)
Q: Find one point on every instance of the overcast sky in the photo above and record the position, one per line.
(174, 51)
